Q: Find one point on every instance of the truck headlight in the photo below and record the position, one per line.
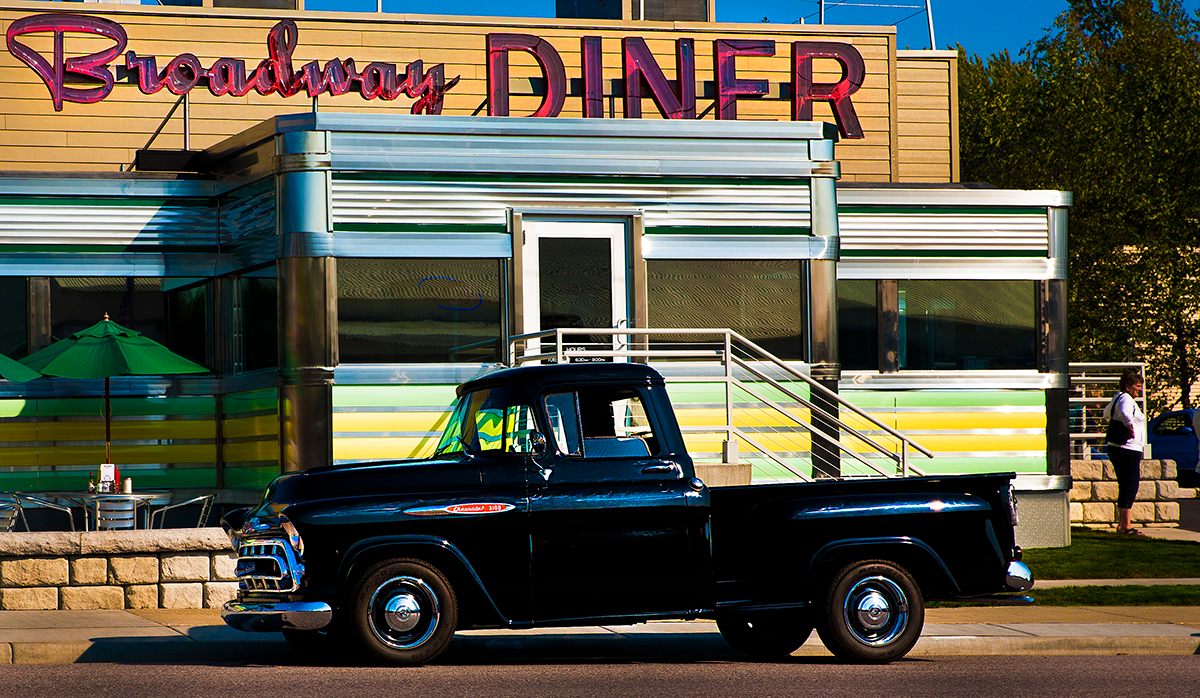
(293, 535)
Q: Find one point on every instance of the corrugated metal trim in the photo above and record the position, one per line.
(106, 223)
(914, 233)
(485, 203)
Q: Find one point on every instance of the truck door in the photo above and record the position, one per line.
(608, 512)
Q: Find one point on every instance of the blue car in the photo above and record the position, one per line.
(1173, 437)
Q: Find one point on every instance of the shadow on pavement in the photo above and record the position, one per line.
(206, 646)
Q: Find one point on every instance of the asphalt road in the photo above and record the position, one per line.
(960, 676)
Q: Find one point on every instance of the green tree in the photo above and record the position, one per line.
(1105, 105)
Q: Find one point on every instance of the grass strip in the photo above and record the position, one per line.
(1126, 595)
(1104, 555)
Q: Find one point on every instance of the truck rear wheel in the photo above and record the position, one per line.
(405, 612)
(873, 613)
(765, 636)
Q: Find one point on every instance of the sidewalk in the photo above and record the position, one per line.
(198, 636)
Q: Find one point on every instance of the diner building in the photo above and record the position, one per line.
(344, 215)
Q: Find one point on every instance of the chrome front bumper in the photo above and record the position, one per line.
(1019, 577)
(273, 617)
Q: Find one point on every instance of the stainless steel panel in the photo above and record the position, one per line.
(119, 185)
(739, 247)
(476, 245)
(456, 126)
(552, 146)
(981, 267)
(868, 195)
(144, 264)
(409, 374)
(980, 380)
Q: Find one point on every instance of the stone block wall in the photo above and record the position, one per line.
(172, 568)
(1094, 494)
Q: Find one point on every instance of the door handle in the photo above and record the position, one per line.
(661, 468)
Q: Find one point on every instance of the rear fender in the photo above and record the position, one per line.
(437, 551)
(915, 555)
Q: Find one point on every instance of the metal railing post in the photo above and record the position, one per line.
(558, 345)
(187, 121)
(729, 452)
(904, 457)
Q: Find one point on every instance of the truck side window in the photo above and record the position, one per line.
(487, 420)
(601, 422)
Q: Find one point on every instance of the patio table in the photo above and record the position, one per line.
(80, 499)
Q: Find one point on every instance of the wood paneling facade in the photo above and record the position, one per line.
(906, 104)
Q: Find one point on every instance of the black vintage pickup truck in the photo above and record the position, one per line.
(563, 495)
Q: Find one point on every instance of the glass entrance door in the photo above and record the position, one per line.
(574, 274)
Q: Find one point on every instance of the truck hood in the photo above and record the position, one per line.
(373, 478)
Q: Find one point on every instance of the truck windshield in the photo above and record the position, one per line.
(488, 420)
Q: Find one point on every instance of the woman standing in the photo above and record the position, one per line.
(1126, 455)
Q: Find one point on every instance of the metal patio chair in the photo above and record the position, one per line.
(10, 511)
(114, 512)
(25, 499)
(205, 502)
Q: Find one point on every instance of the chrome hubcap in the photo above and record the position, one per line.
(403, 612)
(876, 611)
(873, 611)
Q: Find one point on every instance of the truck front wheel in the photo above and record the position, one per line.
(873, 613)
(405, 612)
(765, 636)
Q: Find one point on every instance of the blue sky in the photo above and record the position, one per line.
(982, 27)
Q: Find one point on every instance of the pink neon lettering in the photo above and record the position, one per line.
(226, 76)
(593, 77)
(805, 91)
(92, 65)
(641, 68)
(498, 46)
(729, 86)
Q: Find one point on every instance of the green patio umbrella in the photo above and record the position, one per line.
(15, 371)
(104, 350)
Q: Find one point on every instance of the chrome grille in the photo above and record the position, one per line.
(268, 565)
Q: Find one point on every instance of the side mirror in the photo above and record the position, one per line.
(537, 444)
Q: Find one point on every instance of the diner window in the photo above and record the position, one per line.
(763, 299)
(858, 324)
(77, 303)
(258, 297)
(14, 316)
(419, 310)
(189, 321)
(967, 324)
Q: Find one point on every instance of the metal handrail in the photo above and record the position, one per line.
(726, 340)
(804, 401)
(817, 432)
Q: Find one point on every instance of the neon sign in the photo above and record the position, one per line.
(644, 78)
(226, 76)
(89, 78)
